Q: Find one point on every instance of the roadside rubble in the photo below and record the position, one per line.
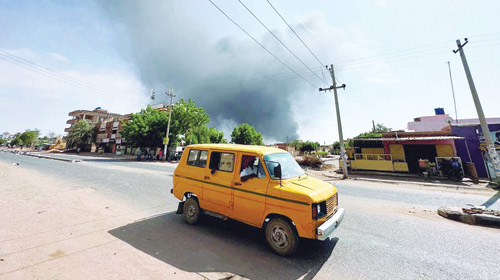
(475, 215)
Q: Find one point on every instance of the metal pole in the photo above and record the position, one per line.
(170, 107)
(453, 91)
(339, 123)
(482, 120)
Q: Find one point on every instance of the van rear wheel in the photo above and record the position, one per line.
(282, 237)
(191, 211)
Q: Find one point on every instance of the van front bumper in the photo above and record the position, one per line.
(328, 227)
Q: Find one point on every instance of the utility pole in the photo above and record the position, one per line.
(482, 120)
(339, 122)
(453, 91)
(170, 107)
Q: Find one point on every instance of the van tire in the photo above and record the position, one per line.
(191, 211)
(282, 237)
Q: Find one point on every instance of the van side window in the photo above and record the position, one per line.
(251, 167)
(197, 158)
(221, 161)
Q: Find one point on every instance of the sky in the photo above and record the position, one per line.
(61, 56)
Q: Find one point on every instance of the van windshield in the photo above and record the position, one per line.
(289, 167)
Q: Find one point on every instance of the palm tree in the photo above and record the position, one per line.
(82, 133)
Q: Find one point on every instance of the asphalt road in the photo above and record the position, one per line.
(389, 231)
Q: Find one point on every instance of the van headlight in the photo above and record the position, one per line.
(318, 210)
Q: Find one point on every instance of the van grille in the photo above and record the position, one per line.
(331, 205)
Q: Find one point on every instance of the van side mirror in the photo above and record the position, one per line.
(277, 171)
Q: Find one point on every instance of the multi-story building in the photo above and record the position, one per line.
(94, 116)
(109, 139)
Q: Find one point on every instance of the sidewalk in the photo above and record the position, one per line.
(394, 178)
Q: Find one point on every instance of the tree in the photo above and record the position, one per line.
(145, 129)
(309, 146)
(336, 147)
(82, 132)
(377, 132)
(216, 136)
(2, 141)
(297, 144)
(187, 119)
(247, 135)
(17, 140)
(28, 137)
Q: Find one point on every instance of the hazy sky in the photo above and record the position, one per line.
(60, 56)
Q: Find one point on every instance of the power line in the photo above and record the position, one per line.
(257, 42)
(276, 37)
(320, 63)
(31, 66)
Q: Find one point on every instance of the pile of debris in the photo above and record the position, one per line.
(481, 210)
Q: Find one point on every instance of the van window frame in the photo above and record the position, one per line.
(221, 152)
(260, 165)
(196, 162)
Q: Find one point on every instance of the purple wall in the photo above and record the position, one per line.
(469, 132)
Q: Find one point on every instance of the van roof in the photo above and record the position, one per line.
(261, 150)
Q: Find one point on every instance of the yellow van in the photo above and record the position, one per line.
(260, 186)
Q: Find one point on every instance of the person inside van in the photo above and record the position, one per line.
(248, 169)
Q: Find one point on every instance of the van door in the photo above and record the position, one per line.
(250, 189)
(218, 181)
(191, 174)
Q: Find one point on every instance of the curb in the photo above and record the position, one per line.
(457, 214)
(399, 182)
(421, 184)
(52, 158)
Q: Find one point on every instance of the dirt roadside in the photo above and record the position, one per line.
(51, 231)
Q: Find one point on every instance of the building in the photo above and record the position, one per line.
(472, 148)
(401, 151)
(441, 121)
(94, 116)
(109, 139)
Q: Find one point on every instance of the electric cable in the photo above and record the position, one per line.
(305, 45)
(255, 40)
(276, 37)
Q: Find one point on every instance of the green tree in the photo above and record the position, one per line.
(297, 144)
(3, 141)
(146, 128)
(377, 132)
(17, 140)
(309, 146)
(187, 119)
(336, 147)
(29, 136)
(83, 132)
(216, 136)
(247, 135)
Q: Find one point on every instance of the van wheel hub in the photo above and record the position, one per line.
(279, 237)
(191, 211)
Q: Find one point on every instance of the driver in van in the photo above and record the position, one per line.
(248, 170)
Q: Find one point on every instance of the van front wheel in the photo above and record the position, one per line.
(282, 237)
(191, 211)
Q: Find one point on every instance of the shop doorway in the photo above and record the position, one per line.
(415, 152)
